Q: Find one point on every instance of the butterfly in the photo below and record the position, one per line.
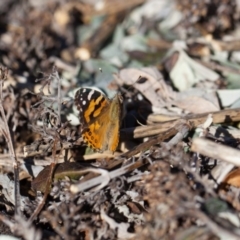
(100, 118)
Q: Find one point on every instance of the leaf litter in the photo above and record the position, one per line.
(175, 174)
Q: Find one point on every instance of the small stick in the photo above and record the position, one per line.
(154, 140)
(59, 100)
(216, 151)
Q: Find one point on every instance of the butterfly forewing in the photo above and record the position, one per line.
(90, 103)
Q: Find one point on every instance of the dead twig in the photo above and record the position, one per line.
(155, 140)
(7, 134)
(216, 151)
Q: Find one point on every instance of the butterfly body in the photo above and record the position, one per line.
(100, 118)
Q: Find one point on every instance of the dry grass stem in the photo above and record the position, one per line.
(216, 151)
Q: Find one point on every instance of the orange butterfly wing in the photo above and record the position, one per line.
(100, 119)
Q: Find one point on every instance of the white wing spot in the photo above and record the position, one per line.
(84, 90)
(84, 102)
(90, 94)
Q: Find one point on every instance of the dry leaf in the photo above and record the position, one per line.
(186, 72)
(149, 82)
(228, 96)
(69, 169)
(195, 104)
